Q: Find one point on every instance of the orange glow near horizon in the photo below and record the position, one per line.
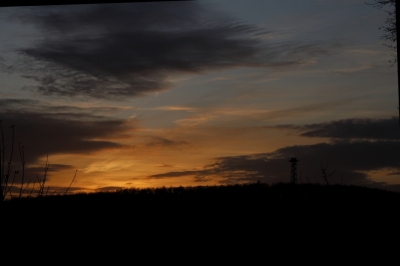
(198, 93)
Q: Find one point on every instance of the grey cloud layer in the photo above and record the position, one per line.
(51, 130)
(130, 50)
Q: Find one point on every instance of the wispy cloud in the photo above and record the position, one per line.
(174, 174)
(164, 142)
(195, 120)
(355, 69)
(164, 165)
(109, 164)
(173, 108)
(372, 129)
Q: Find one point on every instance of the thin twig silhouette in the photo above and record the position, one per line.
(71, 183)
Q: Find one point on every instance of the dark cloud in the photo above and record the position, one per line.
(372, 129)
(357, 146)
(115, 51)
(45, 131)
(348, 159)
(33, 173)
(70, 112)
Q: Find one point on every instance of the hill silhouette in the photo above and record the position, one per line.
(252, 200)
(204, 220)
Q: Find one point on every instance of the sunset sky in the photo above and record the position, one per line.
(200, 93)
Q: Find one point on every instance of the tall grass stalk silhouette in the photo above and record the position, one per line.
(6, 171)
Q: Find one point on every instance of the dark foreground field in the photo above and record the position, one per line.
(241, 215)
(230, 199)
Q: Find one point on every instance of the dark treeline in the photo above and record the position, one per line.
(204, 221)
(250, 199)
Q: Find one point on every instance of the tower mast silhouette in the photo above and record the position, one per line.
(293, 178)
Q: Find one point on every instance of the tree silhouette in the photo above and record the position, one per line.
(390, 35)
(389, 29)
